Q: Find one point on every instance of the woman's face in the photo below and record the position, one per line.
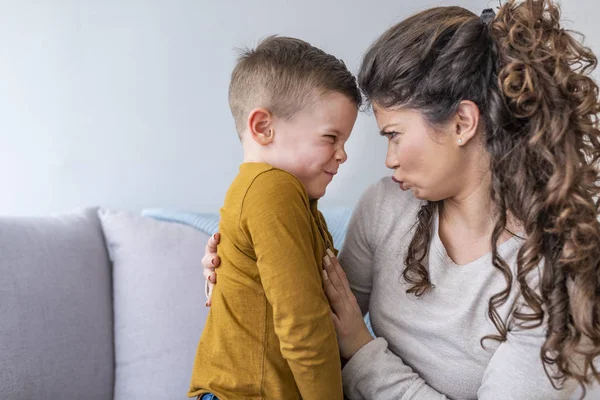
(425, 161)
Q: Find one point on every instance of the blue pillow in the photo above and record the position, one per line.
(204, 222)
(368, 323)
(337, 220)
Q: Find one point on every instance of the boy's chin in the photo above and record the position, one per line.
(315, 194)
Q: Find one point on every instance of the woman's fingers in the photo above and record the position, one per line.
(210, 261)
(337, 274)
(331, 291)
(336, 321)
(209, 274)
(333, 284)
(340, 271)
(347, 318)
(208, 289)
(211, 246)
(333, 296)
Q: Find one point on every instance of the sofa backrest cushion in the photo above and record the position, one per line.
(56, 328)
(159, 304)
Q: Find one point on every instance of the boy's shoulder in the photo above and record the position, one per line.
(265, 179)
(261, 184)
(266, 192)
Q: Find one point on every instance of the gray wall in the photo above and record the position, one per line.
(124, 103)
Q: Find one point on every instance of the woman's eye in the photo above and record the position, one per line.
(391, 135)
(331, 138)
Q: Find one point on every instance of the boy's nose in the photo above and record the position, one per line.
(341, 156)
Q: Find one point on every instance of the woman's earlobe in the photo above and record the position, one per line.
(467, 121)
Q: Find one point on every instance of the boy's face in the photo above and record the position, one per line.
(310, 145)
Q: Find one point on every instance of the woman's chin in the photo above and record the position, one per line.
(417, 193)
(421, 194)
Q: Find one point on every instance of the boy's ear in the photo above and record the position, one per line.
(260, 125)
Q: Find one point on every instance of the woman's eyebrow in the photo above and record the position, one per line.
(383, 130)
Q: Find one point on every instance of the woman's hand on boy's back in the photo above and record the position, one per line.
(210, 261)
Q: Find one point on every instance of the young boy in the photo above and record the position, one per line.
(269, 334)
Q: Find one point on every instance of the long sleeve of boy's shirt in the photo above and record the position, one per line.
(276, 218)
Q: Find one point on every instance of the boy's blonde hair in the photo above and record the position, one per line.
(281, 74)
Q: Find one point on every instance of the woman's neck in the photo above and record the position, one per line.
(470, 213)
(466, 223)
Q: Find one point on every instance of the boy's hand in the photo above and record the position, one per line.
(210, 261)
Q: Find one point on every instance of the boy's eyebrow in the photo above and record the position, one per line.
(333, 130)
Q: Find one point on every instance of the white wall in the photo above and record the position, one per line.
(124, 103)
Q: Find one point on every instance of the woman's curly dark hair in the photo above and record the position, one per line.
(539, 108)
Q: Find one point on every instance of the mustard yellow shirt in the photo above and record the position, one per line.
(269, 334)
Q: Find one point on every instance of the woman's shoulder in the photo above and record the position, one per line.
(384, 209)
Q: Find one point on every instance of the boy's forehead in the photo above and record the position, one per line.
(331, 111)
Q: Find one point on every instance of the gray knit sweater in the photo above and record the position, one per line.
(429, 347)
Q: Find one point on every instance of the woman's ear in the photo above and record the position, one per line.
(466, 122)
(260, 126)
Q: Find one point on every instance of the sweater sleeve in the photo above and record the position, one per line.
(356, 256)
(276, 221)
(374, 372)
(514, 372)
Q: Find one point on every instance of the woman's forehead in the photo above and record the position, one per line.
(396, 114)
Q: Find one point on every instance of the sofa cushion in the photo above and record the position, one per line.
(158, 304)
(56, 334)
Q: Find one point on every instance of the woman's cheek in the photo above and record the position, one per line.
(404, 155)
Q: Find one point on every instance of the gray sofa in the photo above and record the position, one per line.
(100, 306)
(73, 325)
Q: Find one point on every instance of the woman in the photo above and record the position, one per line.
(479, 259)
